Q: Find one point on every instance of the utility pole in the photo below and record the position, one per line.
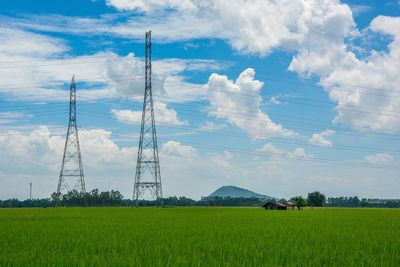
(30, 191)
(71, 174)
(147, 176)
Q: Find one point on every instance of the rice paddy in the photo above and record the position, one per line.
(199, 237)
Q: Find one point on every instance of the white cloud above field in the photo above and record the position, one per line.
(279, 153)
(11, 117)
(320, 139)
(263, 25)
(42, 149)
(44, 71)
(299, 153)
(35, 156)
(270, 148)
(255, 26)
(360, 9)
(379, 158)
(210, 126)
(239, 103)
(162, 113)
(175, 148)
(365, 90)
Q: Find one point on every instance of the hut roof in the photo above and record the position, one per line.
(275, 203)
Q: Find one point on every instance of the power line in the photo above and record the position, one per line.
(336, 162)
(348, 85)
(215, 147)
(297, 103)
(225, 148)
(299, 121)
(229, 133)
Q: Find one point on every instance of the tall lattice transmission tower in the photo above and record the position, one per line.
(71, 174)
(147, 177)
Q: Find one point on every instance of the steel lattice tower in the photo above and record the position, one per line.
(147, 175)
(71, 168)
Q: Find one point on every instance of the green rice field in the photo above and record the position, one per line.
(199, 237)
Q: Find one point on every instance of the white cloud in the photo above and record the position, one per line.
(349, 80)
(379, 158)
(209, 126)
(319, 139)
(270, 148)
(299, 153)
(36, 156)
(360, 9)
(256, 26)
(18, 43)
(151, 5)
(42, 149)
(43, 70)
(274, 100)
(162, 115)
(239, 103)
(11, 117)
(174, 148)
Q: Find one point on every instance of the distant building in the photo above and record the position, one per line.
(290, 204)
(278, 205)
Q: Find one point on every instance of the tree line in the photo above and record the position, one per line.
(113, 198)
(365, 202)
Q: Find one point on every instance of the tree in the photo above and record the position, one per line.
(300, 202)
(316, 199)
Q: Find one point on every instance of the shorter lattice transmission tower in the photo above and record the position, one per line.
(71, 174)
(147, 176)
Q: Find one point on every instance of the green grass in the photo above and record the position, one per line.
(199, 237)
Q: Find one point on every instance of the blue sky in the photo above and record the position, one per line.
(280, 97)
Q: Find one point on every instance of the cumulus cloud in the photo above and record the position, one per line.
(151, 5)
(263, 25)
(270, 148)
(43, 63)
(41, 150)
(35, 156)
(174, 148)
(209, 126)
(320, 139)
(239, 102)
(15, 42)
(365, 90)
(299, 153)
(379, 158)
(162, 115)
(255, 26)
(11, 117)
(360, 9)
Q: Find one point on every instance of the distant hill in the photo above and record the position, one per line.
(235, 192)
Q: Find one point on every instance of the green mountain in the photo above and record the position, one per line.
(235, 192)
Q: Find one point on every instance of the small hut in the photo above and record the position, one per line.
(289, 204)
(275, 205)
